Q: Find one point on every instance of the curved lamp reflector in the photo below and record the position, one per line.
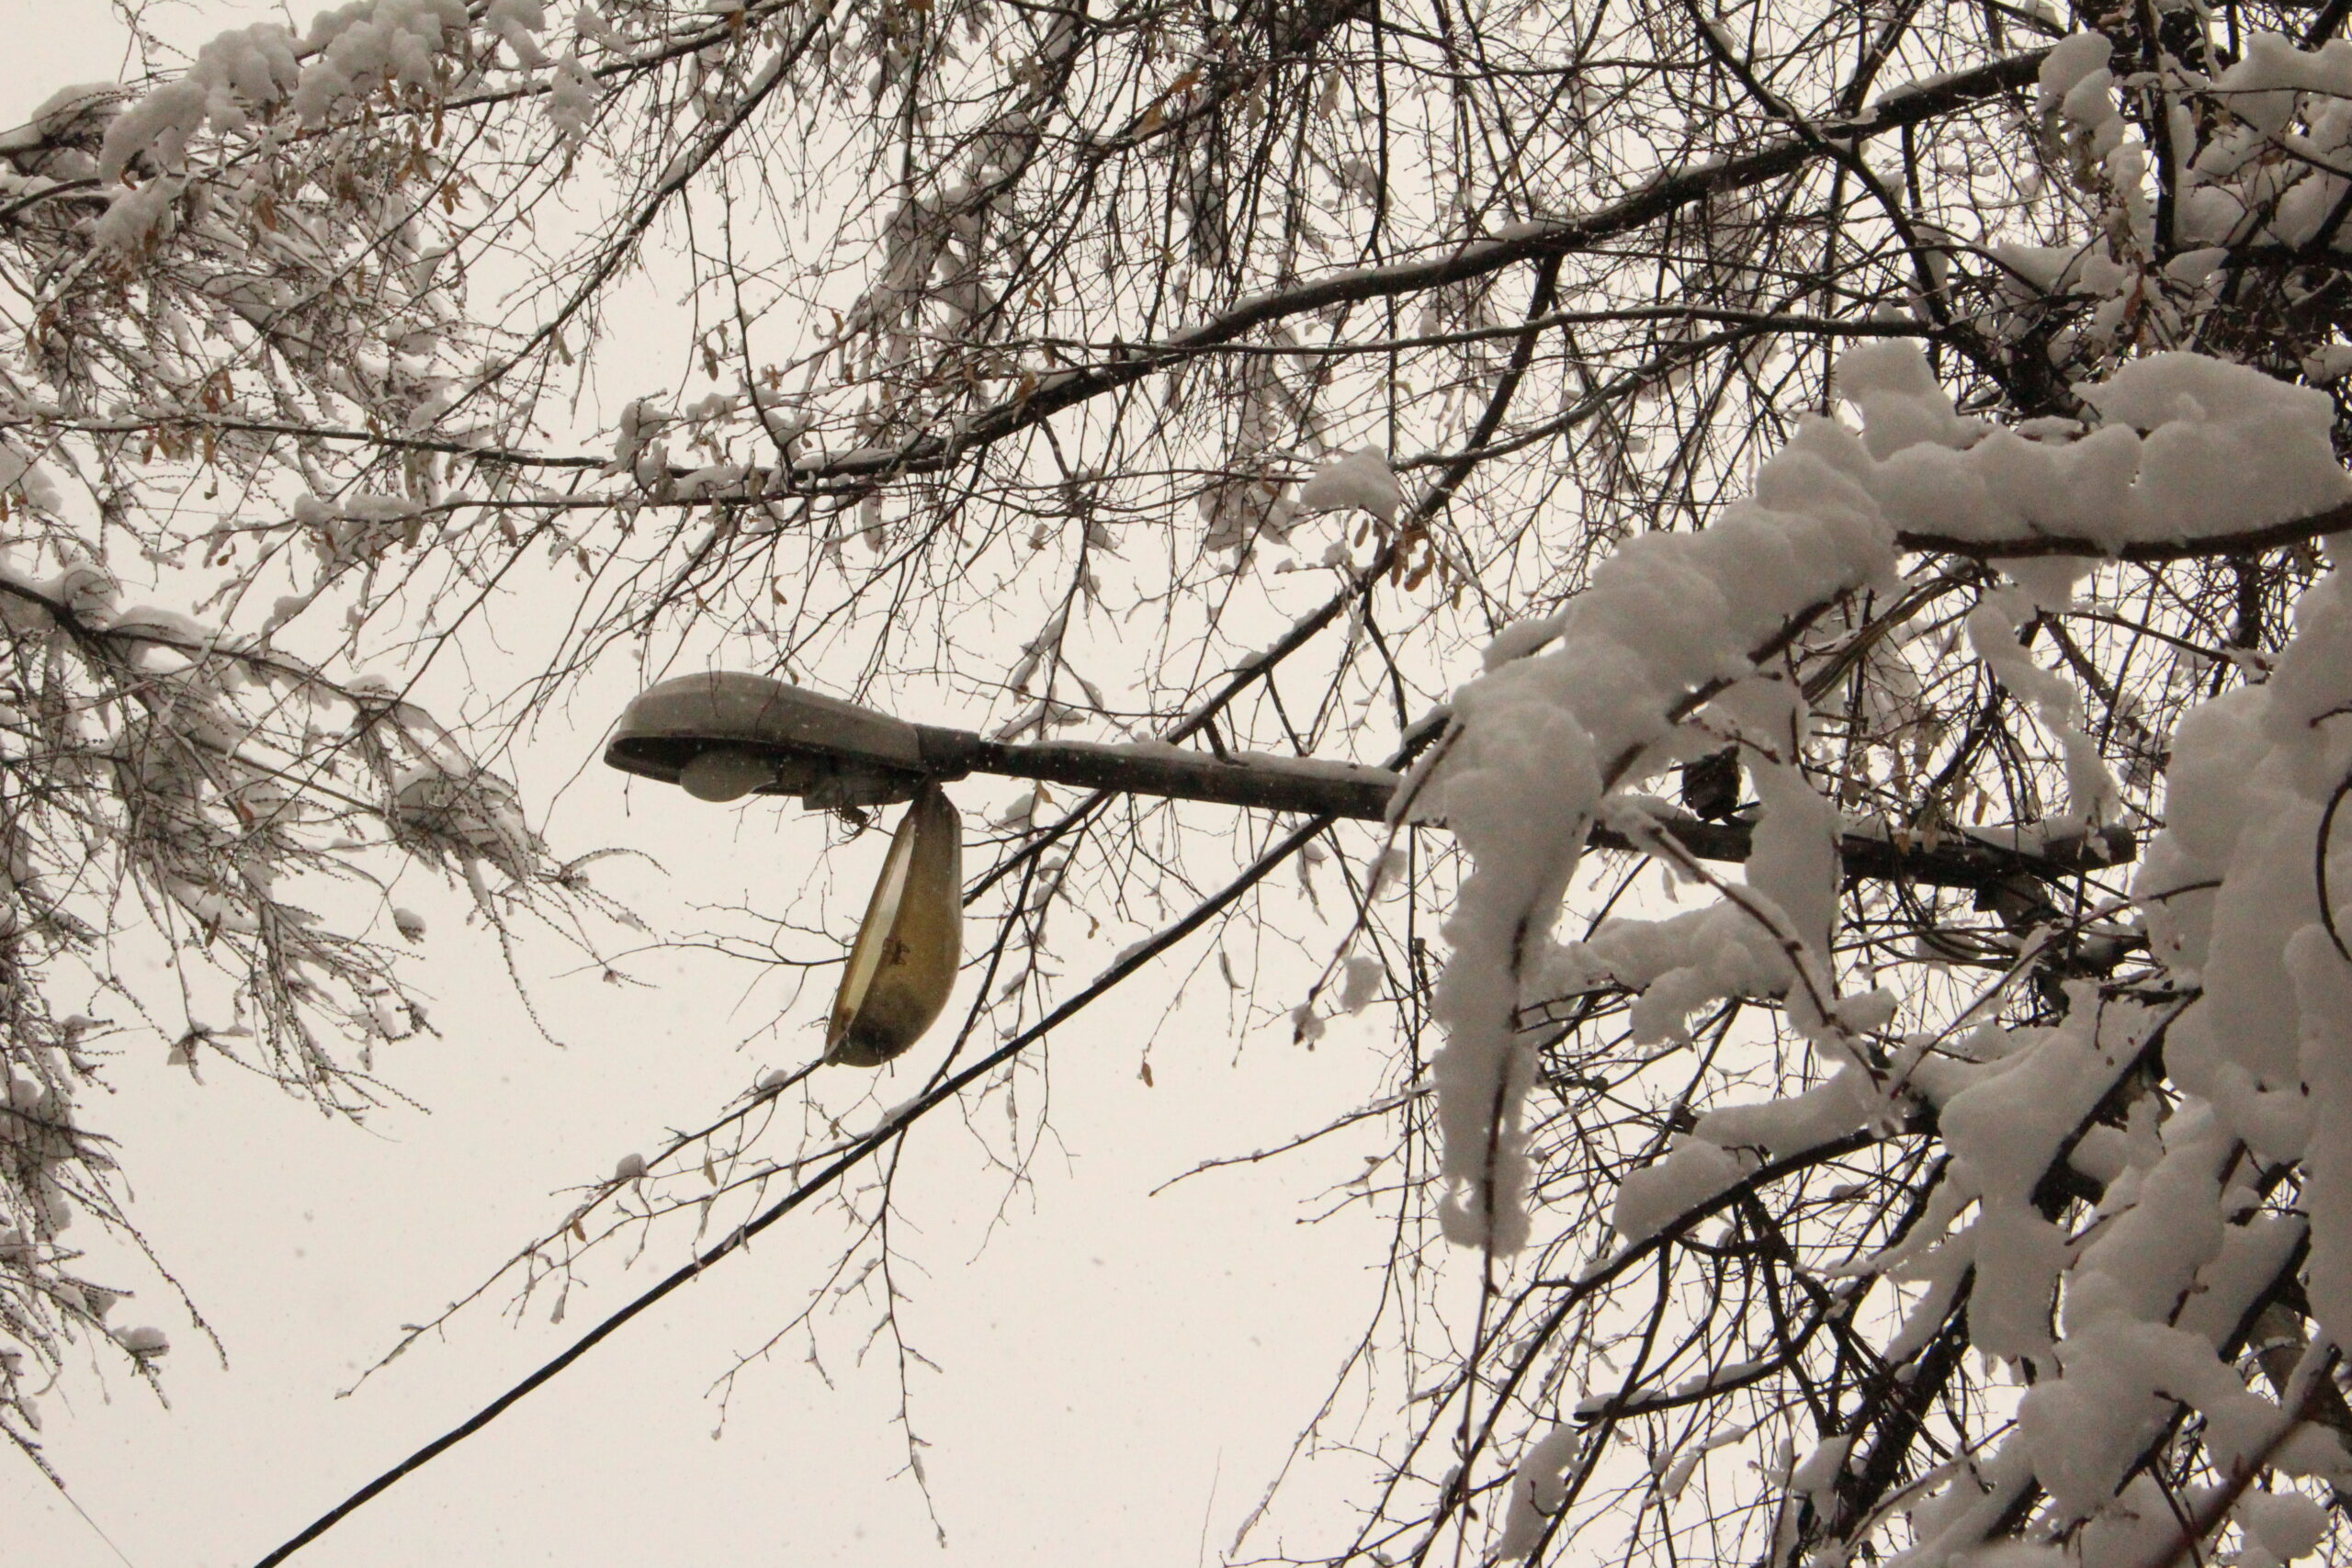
(903, 964)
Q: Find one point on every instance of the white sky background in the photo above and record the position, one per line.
(1121, 1375)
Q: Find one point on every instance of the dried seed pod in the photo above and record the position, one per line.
(903, 964)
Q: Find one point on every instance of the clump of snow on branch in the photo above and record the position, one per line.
(1537, 1490)
(2269, 1047)
(1360, 479)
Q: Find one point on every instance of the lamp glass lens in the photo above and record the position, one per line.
(724, 774)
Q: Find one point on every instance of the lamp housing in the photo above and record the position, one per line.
(722, 734)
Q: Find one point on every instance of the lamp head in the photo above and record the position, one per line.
(722, 735)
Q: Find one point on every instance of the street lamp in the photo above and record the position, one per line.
(724, 735)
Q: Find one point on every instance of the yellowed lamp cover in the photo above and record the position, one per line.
(903, 964)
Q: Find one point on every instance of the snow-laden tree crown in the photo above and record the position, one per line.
(1833, 510)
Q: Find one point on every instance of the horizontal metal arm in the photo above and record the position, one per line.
(1265, 783)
